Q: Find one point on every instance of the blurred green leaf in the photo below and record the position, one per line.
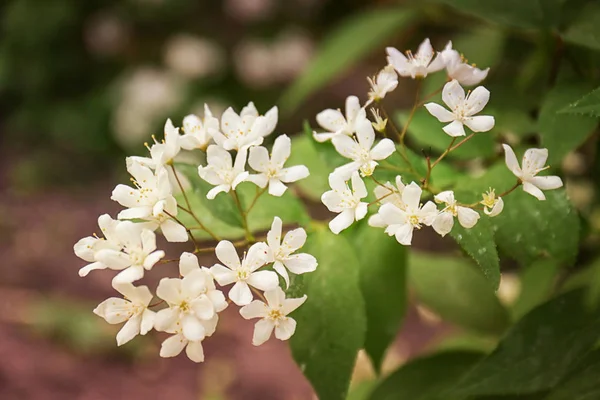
(562, 133)
(466, 342)
(353, 39)
(427, 378)
(305, 153)
(587, 105)
(383, 285)
(582, 383)
(361, 390)
(537, 281)
(584, 30)
(331, 324)
(455, 290)
(537, 352)
(479, 243)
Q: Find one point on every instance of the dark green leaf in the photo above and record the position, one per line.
(454, 289)
(355, 38)
(587, 105)
(582, 383)
(427, 378)
(537, 281)
(383, 285)
(562, 133)
(584, 30)
(331, 324)
(538, 351)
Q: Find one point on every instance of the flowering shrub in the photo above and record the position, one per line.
(336, 288)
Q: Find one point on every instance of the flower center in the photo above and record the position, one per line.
(275, 315)
(137, 257)
(414, 221)
(242, 274)
(489, 198)
(184, 306)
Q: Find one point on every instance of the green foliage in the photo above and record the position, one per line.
(587, 105)
(455, 290)
(581, 383)
(305, 153)
(584, 30)
(331, 325)
(428, 378)
(352, 39)
(561, 133)
(537, 281)
(383, 285)
(538, 351)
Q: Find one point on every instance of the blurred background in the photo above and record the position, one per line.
(84, 83)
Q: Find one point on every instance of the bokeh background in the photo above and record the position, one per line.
(84, 83)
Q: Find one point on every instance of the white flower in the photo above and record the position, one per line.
(533, 164)
(380, 123)
(444, 222)
(280, 253)
(273, 315)
(246, 129)
(189, 266)
(88, 247)
(364, 158)
(271, 169)
(163, 153)
(334, 122)
(137, 253)
(221, 171)
(133, 309)
(462, 109)
(173, 345)
(457, 68)
(344, 201)
(243, 273)
(387, 194)
(198, 132)
(385, 82)
(417, 65)
(492, 205)
(402, 222)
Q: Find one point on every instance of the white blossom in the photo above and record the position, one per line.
(387, 194)
(385, 82)
(244, 274)
(271, 168)
(198, 132)
(533, 163)
(336, 124)
(401, 222)
(380, 123)
(361, 151)
(88, 247)
(462, 109)
(138, 253)
(133, 309)
(246, 129)
(444, 221)
(344, 201)
(492, 205)
(273, 316)
(457, 68)
(417, 65)
(163, 153)
(281, 253)
(174, 345)
(222, 171)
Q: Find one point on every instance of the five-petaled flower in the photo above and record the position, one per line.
(222, 171)
(384, 82)
(457, 68)
(88, 247)
(273, 316)
(462, 109)
(336, 124)
(533, 163)
(238, 132)
(198, 132)
(417, 65)
(444, 221)
(271, 170)
(344, 201)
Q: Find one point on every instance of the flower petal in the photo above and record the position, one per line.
(262, 331)
(293, 174)
(130, 330)
(256, 309)
(294, 239)
(383, 149)
(169, 290)
(129, 275)
(192, 328)
(259, 159)
(342, 221)
(263, 280)
(404, 234)
(365, 133)
(332, 120)
(281, 150)
(511, 160)
(276, 187)
(223, 275)
(534, 191)
(282, 271)
(480, 123)
(534, 160)
(443, 223)
(453, 94)
(203, 308)
(346, 146)
(439, 112)
(358, 186)
(188, 262)
(289, 305)
(411, 196)
(274, 234)
(195, 352)
(240, 293)
(455, 129)
(547, 182)
(227, 254)
(467, 217)
(285, 329)
(477, 100)
(172, 346)
(173, 232)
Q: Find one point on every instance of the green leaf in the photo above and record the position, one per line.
(538, 351)
(537, 281)
(584, 30)
(331, 324)
(455, 290)
(514, 13)
(427, 378)
(587, 105)
(353, 39)
(305, 153)
(426, 132)
(562, 133)
(479, 243)
(582, 383)
(383, 285)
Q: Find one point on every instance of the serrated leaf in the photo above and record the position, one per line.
(353, 39)
(383, 285)
(582, 383)
(536, 284)
(562, 133)
(427, 378)
(587, 105)
(454, 289)
(584, 30)
(331, 324)
(537, 352)
(479, 243)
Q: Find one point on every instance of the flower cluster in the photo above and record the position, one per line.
(403, 207)
(188, 305)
